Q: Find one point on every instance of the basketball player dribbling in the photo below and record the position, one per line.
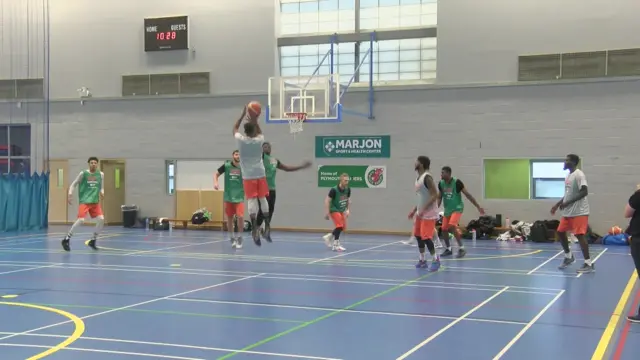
(90, 185)
(425, 213)
(337, 206)
(254, 178)
(233, 197)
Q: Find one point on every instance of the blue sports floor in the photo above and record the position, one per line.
(187, 295)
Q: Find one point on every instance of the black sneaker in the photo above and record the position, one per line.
(566, 262)
(586, 268)
(634, 318)
(447, 252)
(255, 233)
(92, 244)
(266, 233)
(65, 243)
(461, 253)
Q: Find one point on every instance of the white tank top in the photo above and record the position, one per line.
(423, 197)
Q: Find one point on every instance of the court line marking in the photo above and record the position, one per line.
(351, 253)
(325, 316)
(546, 262)
(528, 326)
(607, 335)
(247, 273)
(594, 260)
(194, 347)
(30, 269)
(451, 324)
(622, 341)
(158, 356)
(131, 306)
(77, 331)
(365, 312)
(172, 247)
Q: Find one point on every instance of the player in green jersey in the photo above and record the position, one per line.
(90, 185)
(271, 167)
(450, 194)
(233, 197)
(337, 205)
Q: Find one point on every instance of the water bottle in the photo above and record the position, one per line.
(507, 223)
(146, 224)
(473, 235)
(170, 227)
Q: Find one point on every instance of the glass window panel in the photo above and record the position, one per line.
(368, 4)
(289, 8)
(392, 67)
(289, 29)
(347, 14)
(410, 21)
(328, 16)
(117, 178)
(429, 43)
(4, 166)
(553, 189)
(410, 44)
(20, 138)
(429, 9)
(311, 60)
(389, 2)
(307, 70)
(410, 66)
(289, 61)
(328, 5)
(548, 169)
(429, 65)
(389, 22)
(429, 20)
(172, 170)
(346, 70)
(289, 51)
(344, 59)
(60, 178)
(324, 70)
(409, 2)
(369, 13)
(347, 4)
(4, 141)
(389, 77)
(387, 56)
(430, 54)
(388, 45)
(309, 28)
(346, 25)
(410, 10)
(346, 47)
(20, 166)
(327, 27)
(172, 185)
(323, 48)
(289, 19)
(368, 24)
(429, 1)
(409, 55)
(344, 79)
(410, 76)
(428, 75)
(308, 7)
(289, 71)
(308, 49)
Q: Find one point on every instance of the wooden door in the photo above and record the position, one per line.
(58, 189)
(114, 191)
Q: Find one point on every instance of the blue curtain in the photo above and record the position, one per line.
(24, 202)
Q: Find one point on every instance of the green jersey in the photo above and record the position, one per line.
(270, 168)
(89, 187)
(233, 187)
(451, 196)
(339, 199)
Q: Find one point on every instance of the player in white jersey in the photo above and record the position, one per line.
(575, 214)
(425, 213)
(254, 178)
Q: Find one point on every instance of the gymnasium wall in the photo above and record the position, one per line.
(95, 43)
(479, 41)
(458, 127)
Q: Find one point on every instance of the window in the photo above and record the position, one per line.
(397, 14)
(304, 59)
(547, 179)
(311, 17)
(15, 149)
(170, 166)
(406, 59)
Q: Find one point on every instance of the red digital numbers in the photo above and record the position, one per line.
(169, 35)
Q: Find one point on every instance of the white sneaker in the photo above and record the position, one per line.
(338, 247)
(239, 242)
(234, 243)
(328, 239)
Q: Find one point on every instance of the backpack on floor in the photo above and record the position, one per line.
(539, 232)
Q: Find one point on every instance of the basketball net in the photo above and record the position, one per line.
(296, 120)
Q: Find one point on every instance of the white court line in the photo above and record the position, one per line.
(131, 306)
(545, 263)
(352, 252)
(451, 324)
(30, 269)
(157, 356)
(524, 330)
(136, 342)
(366, 312)
(594, 260)
(173, 247)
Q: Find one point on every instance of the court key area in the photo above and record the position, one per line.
(188, 295)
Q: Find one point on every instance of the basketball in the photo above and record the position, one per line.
(615, 230)
(254, 109)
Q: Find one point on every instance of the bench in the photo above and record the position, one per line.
(186, 224)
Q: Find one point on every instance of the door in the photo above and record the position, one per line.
(58, 190)
(114, 190)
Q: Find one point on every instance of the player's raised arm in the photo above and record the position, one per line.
(236, 125)
(290, 168)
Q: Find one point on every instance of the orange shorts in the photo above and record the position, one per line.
(339, 220)
(576, 225)
(232, 209)
(451, 220)
(255, 188)
(94, 210)
(424, 228)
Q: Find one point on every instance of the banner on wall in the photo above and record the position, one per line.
(353, 146)
(360, 176)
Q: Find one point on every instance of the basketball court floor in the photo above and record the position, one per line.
(188, 295)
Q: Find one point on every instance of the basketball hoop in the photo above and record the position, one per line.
(296, 120)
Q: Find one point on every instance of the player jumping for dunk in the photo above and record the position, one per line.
(425, 213)
(337, 205)
(90, 185)
(253, 174)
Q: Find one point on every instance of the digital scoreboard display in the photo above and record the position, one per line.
(166, 33)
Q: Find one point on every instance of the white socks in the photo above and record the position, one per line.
(75, 225)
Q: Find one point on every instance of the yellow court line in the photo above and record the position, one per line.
(605, 340)
(77, 331)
